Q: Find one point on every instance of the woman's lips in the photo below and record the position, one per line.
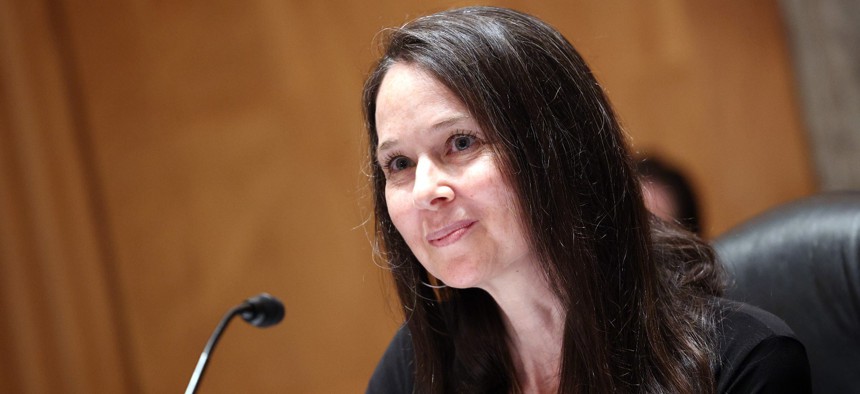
(450, 233)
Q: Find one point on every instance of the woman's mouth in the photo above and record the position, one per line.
(450, 233)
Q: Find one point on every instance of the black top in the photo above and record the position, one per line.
(758, 354)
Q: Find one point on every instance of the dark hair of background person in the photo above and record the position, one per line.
(654, 169)
(637, 294)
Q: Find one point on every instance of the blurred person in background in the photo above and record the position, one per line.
(669, 194)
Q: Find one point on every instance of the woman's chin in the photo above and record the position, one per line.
(461, 278)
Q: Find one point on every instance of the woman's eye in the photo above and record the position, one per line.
(398, 163)
(462, 142)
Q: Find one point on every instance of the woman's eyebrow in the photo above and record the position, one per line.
(385, 145)
(445, 123)
(448, 122)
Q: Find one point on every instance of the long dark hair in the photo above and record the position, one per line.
(637, 294)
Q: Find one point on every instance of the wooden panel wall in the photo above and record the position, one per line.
(163, 160)
(59, 330)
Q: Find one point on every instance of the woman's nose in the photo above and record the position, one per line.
(432, 187)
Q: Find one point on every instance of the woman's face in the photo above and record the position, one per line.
(445, 193)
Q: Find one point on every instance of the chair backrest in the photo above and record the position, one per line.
(801, 262)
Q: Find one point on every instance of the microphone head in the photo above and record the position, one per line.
(263, 310)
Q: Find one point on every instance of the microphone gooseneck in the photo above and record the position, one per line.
(261, 311)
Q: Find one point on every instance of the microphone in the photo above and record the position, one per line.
(261, 311)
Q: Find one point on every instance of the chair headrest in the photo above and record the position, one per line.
(801, 261)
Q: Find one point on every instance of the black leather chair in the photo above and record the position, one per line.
(801, 262)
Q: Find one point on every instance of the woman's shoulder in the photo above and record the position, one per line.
(741, 324)
(395, 373)
(758, 352)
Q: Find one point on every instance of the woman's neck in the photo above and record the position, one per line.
(534, 320)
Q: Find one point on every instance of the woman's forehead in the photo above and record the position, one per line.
(410, 97)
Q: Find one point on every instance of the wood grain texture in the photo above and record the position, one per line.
(60, 331)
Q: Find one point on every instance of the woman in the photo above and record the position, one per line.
(510, 216)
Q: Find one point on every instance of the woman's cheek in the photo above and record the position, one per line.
(398, 209)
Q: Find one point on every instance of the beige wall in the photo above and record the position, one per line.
(163, 160)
